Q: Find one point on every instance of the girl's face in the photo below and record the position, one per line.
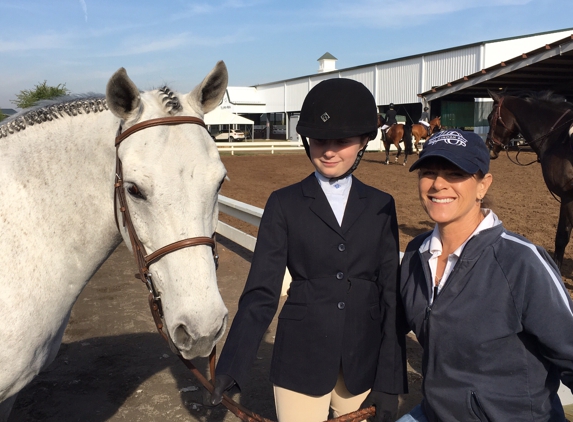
(334, 157)
(450, 195)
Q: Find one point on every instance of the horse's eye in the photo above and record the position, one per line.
(134, 191)
(221, 184)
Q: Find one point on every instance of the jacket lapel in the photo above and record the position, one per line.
(355, 205)
(320, 205)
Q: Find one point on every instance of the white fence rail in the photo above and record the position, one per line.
(271, 146)
(243, 212)
(282, 146)
(248, 214)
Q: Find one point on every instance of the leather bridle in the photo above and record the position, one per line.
(144, 260)
(491, 140)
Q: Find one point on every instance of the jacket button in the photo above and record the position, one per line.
(341, 305)
(340, 275)
(342, 247)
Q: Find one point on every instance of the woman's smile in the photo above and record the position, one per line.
(442, 200)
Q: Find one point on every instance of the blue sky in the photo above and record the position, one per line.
(176, 42)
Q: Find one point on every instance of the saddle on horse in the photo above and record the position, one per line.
(427, 126)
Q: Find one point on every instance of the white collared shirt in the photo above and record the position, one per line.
(336, 193)
(434, 245)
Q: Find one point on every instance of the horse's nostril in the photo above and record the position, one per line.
(181, 336)
(221, 331)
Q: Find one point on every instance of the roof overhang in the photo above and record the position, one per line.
(546, 68)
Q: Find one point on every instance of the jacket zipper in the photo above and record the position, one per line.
(478, 411)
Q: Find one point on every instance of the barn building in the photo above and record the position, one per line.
(453, 83)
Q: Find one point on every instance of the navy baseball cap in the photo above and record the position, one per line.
(465, 150)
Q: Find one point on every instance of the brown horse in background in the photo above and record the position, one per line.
(394, 135)
(419, 131)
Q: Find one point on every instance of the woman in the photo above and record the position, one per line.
(337, 343)
(488, 307)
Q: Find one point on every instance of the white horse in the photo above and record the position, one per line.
(57, 222)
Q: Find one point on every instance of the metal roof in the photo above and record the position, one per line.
(546, 68)
(327, 56)
(465, 46)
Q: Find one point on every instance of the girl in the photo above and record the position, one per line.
(337, 343)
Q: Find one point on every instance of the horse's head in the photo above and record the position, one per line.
(381, 120)
(502, 126)
(171, 176)
(436, 124)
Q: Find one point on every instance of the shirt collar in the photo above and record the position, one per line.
(338, 186)
(433, 243)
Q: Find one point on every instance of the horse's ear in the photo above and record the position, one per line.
(493, 95)
(122, 95)
(209, 93)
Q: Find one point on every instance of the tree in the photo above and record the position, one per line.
(28, 97)
(2, 116)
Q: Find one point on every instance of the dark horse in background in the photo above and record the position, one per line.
(394, 135)
(544, 121)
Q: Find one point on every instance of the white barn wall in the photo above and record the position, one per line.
(447, 66)
(398, 82)
(273, 96)
(364, 75)
(316, 79)
(295, 92)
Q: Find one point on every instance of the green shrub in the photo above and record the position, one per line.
(28, 97)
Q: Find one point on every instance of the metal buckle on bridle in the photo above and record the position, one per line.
(149, 283)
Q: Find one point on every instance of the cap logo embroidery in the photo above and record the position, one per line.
(325, 117)
(452, 138)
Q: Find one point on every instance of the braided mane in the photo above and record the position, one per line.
(170, 100)
(49, 110)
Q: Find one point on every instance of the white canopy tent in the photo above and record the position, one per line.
(224, 117)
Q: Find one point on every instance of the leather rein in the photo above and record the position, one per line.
(144, 261)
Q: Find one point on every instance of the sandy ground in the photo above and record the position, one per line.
(113, 366)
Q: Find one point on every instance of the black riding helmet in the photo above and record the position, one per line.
(335, 109)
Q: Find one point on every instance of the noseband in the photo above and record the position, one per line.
(143, 259)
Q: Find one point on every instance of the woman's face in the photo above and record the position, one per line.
(450, 195)
(334, 157)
